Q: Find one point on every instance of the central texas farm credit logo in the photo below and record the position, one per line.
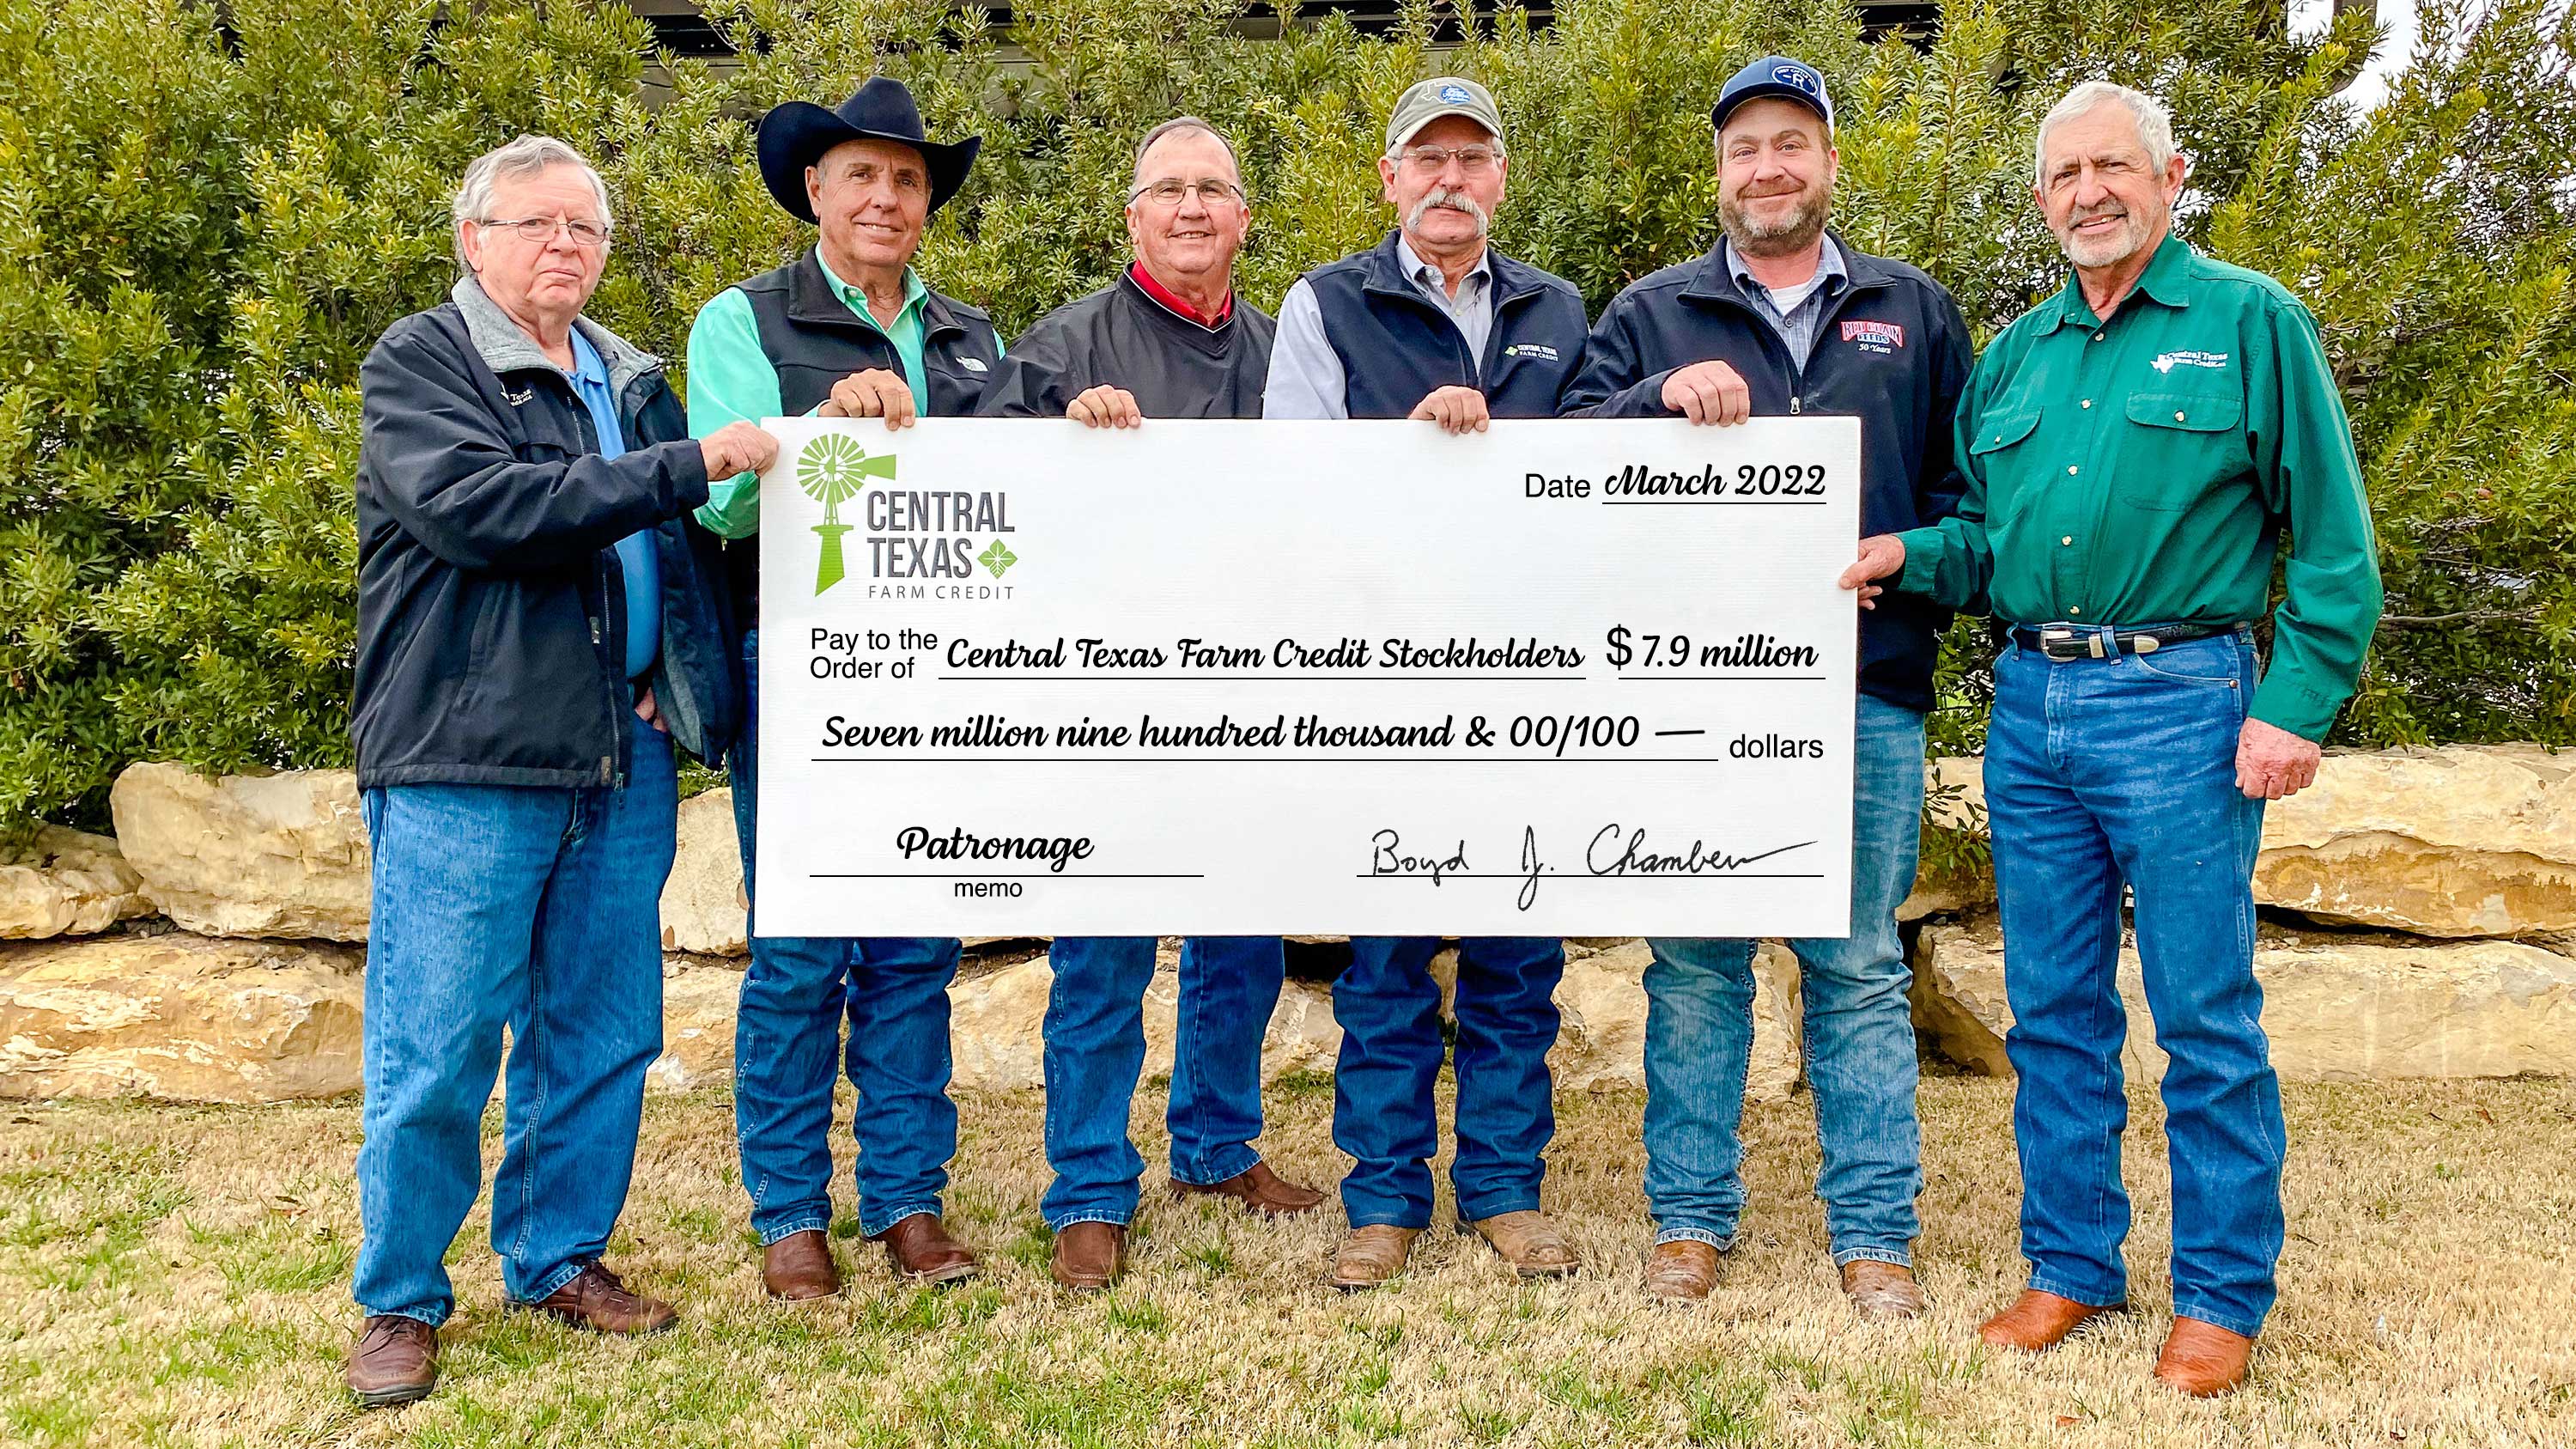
(911, 534)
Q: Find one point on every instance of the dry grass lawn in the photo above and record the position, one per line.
(179, 1276)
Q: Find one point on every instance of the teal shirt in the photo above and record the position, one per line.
(730, 380)
(2142, 471)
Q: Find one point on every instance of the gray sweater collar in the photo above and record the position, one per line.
(505, 348)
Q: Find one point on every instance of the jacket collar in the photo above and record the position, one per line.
(1512, 280)
(813, 301)
(505, 348)
(1715, 280)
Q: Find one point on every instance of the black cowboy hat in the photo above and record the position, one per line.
(795, 136)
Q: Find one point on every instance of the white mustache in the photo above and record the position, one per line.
(2089, 213)
(1454, 200)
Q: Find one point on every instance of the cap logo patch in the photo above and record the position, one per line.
(1799, 76)
(1455, 95)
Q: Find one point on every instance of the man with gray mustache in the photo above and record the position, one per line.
(1434, 324)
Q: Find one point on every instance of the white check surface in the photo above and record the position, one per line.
(924, 762)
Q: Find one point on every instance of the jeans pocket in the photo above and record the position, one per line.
(2186, 671)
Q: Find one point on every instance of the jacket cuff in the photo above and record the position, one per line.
(688, 465)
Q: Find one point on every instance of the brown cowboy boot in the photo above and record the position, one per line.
(920, 1249)
(394, 1361)
(1259, 1190)
(2037, 1322)
(1089, 1256)
(1681, 1271)
(1527, 1241)
(596, 1300)
(1371, 1255)
(2203, 1359)
(798, 1268)
(1882, 1290)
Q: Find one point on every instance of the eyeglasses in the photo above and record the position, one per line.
(1432, 160)
(539, 230)
(1169, 191)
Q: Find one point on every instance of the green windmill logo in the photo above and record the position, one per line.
(834, 468)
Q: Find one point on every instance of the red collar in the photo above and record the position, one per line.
(1173, 302)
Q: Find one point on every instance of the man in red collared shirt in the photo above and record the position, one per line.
(1168, 339)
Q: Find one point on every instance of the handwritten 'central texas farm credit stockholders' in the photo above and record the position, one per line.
(1560, 678)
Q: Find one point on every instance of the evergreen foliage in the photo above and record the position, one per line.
(208, 214)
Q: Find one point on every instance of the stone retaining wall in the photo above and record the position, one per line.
(2420, 921)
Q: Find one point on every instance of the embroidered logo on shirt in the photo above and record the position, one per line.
(972, 364)
(2167, 362)
(518, 399)
(1882, 338)
(1531, 349)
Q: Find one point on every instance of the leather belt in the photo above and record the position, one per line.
(2085, 641)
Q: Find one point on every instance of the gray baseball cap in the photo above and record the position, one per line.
(1443, 95)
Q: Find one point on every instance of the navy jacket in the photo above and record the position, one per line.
(1396, 346)
(1892, 350)
(491, 607)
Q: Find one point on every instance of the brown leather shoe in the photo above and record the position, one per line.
(920, 1249)
(2038, 1321)
(596, 1300)
(1259, 1190)
(394, 1361)
(1089, 1256)
(1882, 1290)
(1527, 1241)
(2203, 1359)
(1371, 1255)
(1681, 1271)
(798, 1268)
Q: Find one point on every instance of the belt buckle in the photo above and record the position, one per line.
(2059, 642)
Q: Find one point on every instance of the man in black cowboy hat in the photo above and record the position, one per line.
(845, 330)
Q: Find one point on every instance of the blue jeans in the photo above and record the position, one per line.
(1383, 1112)
(787, 1034)
(1859, 1037)
(534, 909)
(1095, 1046)
(2101, 772)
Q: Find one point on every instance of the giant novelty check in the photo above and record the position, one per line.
(1250, 678)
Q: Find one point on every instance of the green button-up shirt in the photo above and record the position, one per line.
(2141, 471)
(731, 380)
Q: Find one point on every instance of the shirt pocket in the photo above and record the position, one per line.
(2003, 461)
(2185, 443)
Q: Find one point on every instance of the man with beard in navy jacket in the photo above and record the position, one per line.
(1782, 318)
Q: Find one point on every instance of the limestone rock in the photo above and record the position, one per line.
(2336, 1008)
(698, 1001)
(180, 1017)
(248, 855)
(1602, 1042)
(2467, 840)
(67, 883)
(702, 902)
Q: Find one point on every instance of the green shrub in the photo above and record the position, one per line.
(206, 215)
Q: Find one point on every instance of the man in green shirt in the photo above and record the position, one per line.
(845, 330)
(2134, 448)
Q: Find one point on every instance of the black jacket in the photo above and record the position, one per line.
(1121, 337)
(491, 606)
(1891, 350)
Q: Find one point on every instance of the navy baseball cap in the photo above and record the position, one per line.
(1774, 75)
